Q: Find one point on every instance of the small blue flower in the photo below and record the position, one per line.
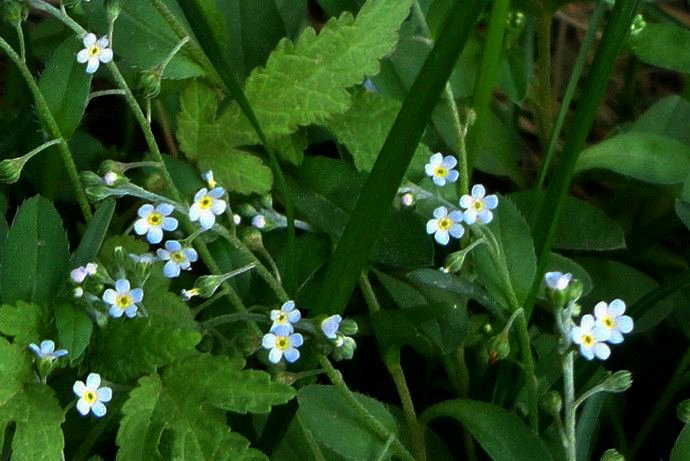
(153, 221)
(330, 326)
(610, 317)
(46, 351)
(281, 343)
(440, 169)
(177, 257)
(444, 225)
(591, 339)
(207, 205)
(92, 397)
(79, 274)
(208, 177)
(478, 205)
(122, 300)
(557, 280)
(286, 316)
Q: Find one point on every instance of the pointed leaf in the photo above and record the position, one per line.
(239, 172)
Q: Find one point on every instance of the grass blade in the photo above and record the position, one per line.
(374, 203)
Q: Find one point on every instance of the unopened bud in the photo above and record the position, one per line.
(454, 261)
(619, 381)
(638, 25)
(348, 327)
(14, 12)
(552, 403)
(251, 237)
(345, 348)
(259, 221)
(612, 455)
(150, 83)
(407, 199)
(498, 347)
(683, 411)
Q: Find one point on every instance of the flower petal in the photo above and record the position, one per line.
(296, 340)
(491, 201)
(109, 296)
(103, 42)
(617, 307)
(601, 350)
(154, 235)
(98, 409)
(431, 226)
(89, 40)
(93, 381)
(601, 310)
(106, 55)
(137, 295)
(92, 66)
(171, 270)
(478, 191)
(453, 175)
(83, 407)
(165, 208)
(83, 56)
(485, 216)
(470, 216)
(449, 161)
(131, 311)
(269, 341)
(217, 192)
(624, 324)
(141, 226)
(442, 237)
(440, 212)
(207, 219)
(47, 346)
(115, 312)
(436, 159)
(145, 210)
(587, 322)
(79, 388)
(122, 285)
(457, 230)
(291, 355)
(169, 224)
(275, 355)
(466, 201)
(200, 194)
(219, 207)
(104, 394)
(439, 181)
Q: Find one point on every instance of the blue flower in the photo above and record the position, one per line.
(286, 316)
(207, 205)
(153, 221)
(610, 317)
(331, 325)
(47, 351)
(445, 225)
(177, 257)
(557, 280)
(281, 343)
(440, 169)
(92, 397)
(122, 300)
(208, 177)
(591, 339)
(478, 205)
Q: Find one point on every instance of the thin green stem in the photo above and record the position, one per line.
(678, 380)
(544, 89)
(578, 68)
(172, 53)
(20, 38)
(386, 447)
(369, 295)
(97, 94)
(569, 405)
(51, 127)
(530, 371)
(370, 420)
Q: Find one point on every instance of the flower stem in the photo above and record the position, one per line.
(570, 441)
(20, 38)
(96, 94)
(530, 371)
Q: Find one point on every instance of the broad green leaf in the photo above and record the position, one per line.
(643, 156)
(502, 434)
(74, 327)
(663, 45)
(196, 127)
(239, 172)
(65, 86)
(187, 406)
(588, 424)
(681, 449)
(94, 235)
(669, 117)
(35, 254)
(26, 323)
(345, 51)
(683, 212)
(364, 127)
(516, 258)
(498, 153)
(30, 408)
(345, 432)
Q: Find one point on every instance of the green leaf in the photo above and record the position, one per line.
(196, 127)
(669, 117)
(187, 406)
(683, 212)
(345, 432)
(502, 434)
(663, 45)
(588, 424)
(643, 156)
(304, 83)
(681, 449)
(35, 254)
(94, 235)
(516, 257)
(74, 327)
(239, 172)
(498, 153)
(65, 86)
(31, 409)
(26, 323)
(364, 127)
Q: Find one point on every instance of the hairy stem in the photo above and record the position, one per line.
(569, 405)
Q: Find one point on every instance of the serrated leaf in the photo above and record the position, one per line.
(35, 254)
(196, 127)
(188, 403)
(239, 172)
(65, 86)
(25, 322)
(74, 327)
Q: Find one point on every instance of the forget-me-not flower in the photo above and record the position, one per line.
(440, 169)
(177, 257)
(79, 274)
(207, 205)
(286, 316)
(95, 52)
(46, 351)
(92, 397)
(591, 339)
(610, 317)
(557, 280)
(122, 299)
(478, 205)
(331, 325)
(281, 342)
(445, 225)
(153, 221)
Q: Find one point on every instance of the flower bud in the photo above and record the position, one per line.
(259, 221)
(407, 199)
(498, 347)
(150, 83)
(638, 25)
(552, 403)
(266, 201)
(345, 348)
(454, 261)
(11, 169)
(348, 327)
(612, 455)
(14, 12)
(119, 256)
(683, 411)
(619, 381)
(251, 237)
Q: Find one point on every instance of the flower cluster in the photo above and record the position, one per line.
(607, 326)
(477, 209)
(335, 329)
(281, 341)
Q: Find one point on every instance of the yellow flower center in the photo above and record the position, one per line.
(609, 322)
(94, 51)
(478, 205)
(441, 171)
(206, 202)
(445, 223)
(282, 343)
(155, 219)
(178, 256)
(282, 318)
(123, 301)
(90, 397)
(588, 340)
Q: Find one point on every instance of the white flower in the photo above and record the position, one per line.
(281, 343)
(122, 300)
(79, 274)
(95, 52)
(407, 199)
(92, 397)
(478, 207)
(207, 205)
(610, 317)
(330, 326)
(237, 219)
(109, 178)
(557, 280)
(78, 292)
(46, 351)
(445, 225)
(590, 337)
(208, 177)
(177, 257)
(440, 169)
(153, 221)
(286, 316)
(259, 221)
